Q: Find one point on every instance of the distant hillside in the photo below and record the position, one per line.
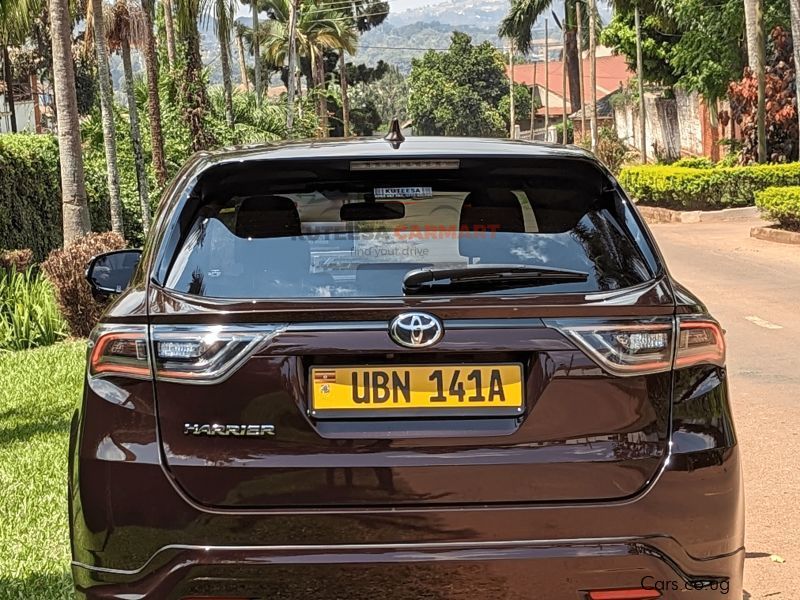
(403, 36)
(397, 45)
(408, 34)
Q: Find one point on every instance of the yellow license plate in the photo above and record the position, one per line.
(464, 389)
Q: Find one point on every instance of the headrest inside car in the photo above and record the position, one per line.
(488, 211)
(267, 217)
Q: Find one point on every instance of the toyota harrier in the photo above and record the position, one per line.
(434, 368)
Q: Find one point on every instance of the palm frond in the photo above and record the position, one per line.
(518, 24)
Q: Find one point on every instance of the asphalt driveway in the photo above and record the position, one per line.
(753, 288)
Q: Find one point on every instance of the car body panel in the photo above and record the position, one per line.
(600, 482)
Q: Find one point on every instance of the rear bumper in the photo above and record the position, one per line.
(503, 570)
(685, 529)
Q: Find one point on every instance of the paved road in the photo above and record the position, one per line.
(753, 288)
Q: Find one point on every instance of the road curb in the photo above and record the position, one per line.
(771, 234)
(655, 214)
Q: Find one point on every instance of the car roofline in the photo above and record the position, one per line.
(375, 147)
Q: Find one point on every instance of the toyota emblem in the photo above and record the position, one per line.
(416, 329)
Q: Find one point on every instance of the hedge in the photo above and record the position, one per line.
(686, 188)
(30, 195)
(694, 162)
(30, 204)
(781, 204)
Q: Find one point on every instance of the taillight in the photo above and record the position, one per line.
(624, 347)
(700, 341)
(119, 350)
(205, 354)
(202, 354)
(627, 347)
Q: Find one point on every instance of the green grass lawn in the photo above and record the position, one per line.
(39, 390)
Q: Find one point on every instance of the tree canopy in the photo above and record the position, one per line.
(458, 92)
(695, 44)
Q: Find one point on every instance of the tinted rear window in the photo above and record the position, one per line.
(271, 232)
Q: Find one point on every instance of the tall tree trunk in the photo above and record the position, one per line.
(136, 138)
(8, 77)
(75, 210)
(345, 96)
(593, 69)
(751, 33)
(291, 87)
(225, 63)
(256, 54)
(572, 57)
(794, 8)
(107, 117)
(194, 92)
(322, 99)
(169, 27)
(242, 62)
(153, 99)
(761, 59)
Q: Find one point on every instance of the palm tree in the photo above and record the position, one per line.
(153, 99)
(517, 26)
(751, 33)
(75, 210)
(95, 22)
(319, 28)
(257, 56)
(794, 11)
(169, 28)
(240, 29)
(760, 64)
(366, 14)
(126, 25)
(193, 87)
(224, 14)
(15, 18)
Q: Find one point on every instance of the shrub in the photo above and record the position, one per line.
(66, 269)
(781, 204)
(610, 150)
(18, 260)
(30, 194)
(30, 200)
(694, 162)
(29, 316)
(704, 189)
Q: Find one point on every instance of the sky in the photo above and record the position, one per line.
(398, 5)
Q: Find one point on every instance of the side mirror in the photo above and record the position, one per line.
(111, 272)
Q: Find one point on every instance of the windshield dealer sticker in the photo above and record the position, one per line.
(394, 193)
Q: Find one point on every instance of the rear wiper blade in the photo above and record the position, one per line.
(493, 276)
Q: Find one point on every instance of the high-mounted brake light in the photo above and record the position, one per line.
(119, 350)
(405, 165)
(641, 346)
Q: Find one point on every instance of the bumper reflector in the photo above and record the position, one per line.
(627, 594)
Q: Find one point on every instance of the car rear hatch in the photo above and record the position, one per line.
(285, 393)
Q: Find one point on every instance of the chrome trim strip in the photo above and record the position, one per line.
(454, 324)
(402, 547)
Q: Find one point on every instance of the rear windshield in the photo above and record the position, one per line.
(342, 234)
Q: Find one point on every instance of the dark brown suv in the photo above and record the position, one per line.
(431, 369)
